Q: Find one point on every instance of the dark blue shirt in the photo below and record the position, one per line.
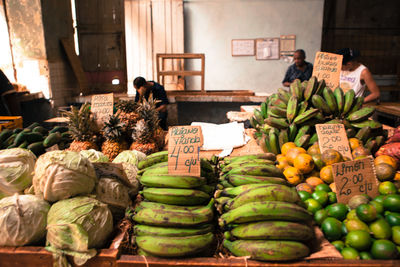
(294, 73)
(158, 92)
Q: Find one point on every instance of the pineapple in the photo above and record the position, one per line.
(113, 133)
(127, 114)
(82, 127)
(147, 135)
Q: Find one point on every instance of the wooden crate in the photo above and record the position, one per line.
(10, 122)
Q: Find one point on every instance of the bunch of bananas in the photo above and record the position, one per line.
(290, 116)
(174, 220)
(262, 217)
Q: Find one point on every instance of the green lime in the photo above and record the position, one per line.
(393, 218)
(304, 195)
(387, 188)
(366, 212)
(338, 244)
(332, 197)
(312, 205)
(364, 255)
(396, 234)
(352, 215)
(344, 229)
(321, 197)
(359, 240)
(356, 224)
(380, 229)
(323, 187)
(332, 228)
(338, 211)
(379, 198)
(392, 203)
(349, 253)
(320, 216)
(378, 206)
(384, 250)
(357, 200)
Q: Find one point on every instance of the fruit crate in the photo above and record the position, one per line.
(10, 122)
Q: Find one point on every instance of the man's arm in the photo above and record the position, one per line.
(162, 108)
(366, 76)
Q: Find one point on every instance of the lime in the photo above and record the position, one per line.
(338, 211)
(332, 197)
(387, 188)
(359, 240)
(364, 255)
(304, 195)
(378, 206)
(332, 228)
(393, 218)
(379, 198)
(383, 250)
(380, 229)
(312, 205)
(323, 187)
(356, 225)
(392, 203)
(352, 215)
(321, 197)
(366, 212)
(320, 216)
(338, 244)
(357, 200)
(344, 229)
(350, 254)
(396, 234)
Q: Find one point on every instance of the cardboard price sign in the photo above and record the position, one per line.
(102, 107)
(333, 136)
(327, 67)
(184, 150)
(355, 178)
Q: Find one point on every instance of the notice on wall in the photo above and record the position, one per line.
(333, 136)
(184, 150)
(327, 67)
(267, 48)
(102, 107)
(355, 178)
(243, 47)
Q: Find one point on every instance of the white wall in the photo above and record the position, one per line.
(210, 25)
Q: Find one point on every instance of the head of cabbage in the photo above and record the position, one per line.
(23, 220)
(77, 226)
(94, 156)
(130, 156)
(16, 170)
(63, 174)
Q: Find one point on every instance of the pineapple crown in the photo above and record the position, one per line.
(148, 112)
(113, 128)
(81, 123)
(141, 132)
(127, 106)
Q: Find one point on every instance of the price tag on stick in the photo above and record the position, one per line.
(184, 150)
(355, 178)
(327, 67)
(102, 107)
(333, 136)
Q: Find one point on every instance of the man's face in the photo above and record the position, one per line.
(141, 90)
(347, 66)
(298, 59)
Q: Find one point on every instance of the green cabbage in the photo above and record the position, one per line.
(16, 170)
(113, 193)
(77, 226)
(94, 155)
(63, 174)
(130, 156)
(131, 173)
(22, 220)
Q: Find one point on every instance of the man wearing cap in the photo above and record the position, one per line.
(356, 76)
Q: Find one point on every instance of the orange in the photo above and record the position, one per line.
(354, 143)
(318, 161)
(385, 172)
(293, 175)
(283, 163)
(326, 174)
(279, 156)
(333, 187)
(386, 159)
(292, 153)
(360, 151)
(304, 187)
(314, 181)
(304, 163)
(286, 146)
(397, 176)
(314, 149)
(314, 173)
(331, 156)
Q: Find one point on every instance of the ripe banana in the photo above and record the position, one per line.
(371, 123)
(320, 87)
(268, 250)
(264, 211)
(303, 141)
(305, 116)
(349, 98)
(313, 139)
(244, 158)
(153, 159)
(279, 123)
(174, 196)
(265, 170)
(231, 166)
(330, 100)
(363, 134)
(278, 103)
(143, 230)
(277, 112)
(283, 137)
(358, 102)
(302, 131)
(172, 181)
(310, 88)
(175, 218)
(268, 192)
(302, 107)
(238, 180)
(283, 95)
(274, 143)
(292, 132)
(361, 115)
(339, 96)
(320, 103)
(296, 89)
(292, 107)
(272, 230)
(166, 246)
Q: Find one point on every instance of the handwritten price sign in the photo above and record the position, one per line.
(184, 150)
(327, 67)
(355, 178)
(102, 107)
(333, 136)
